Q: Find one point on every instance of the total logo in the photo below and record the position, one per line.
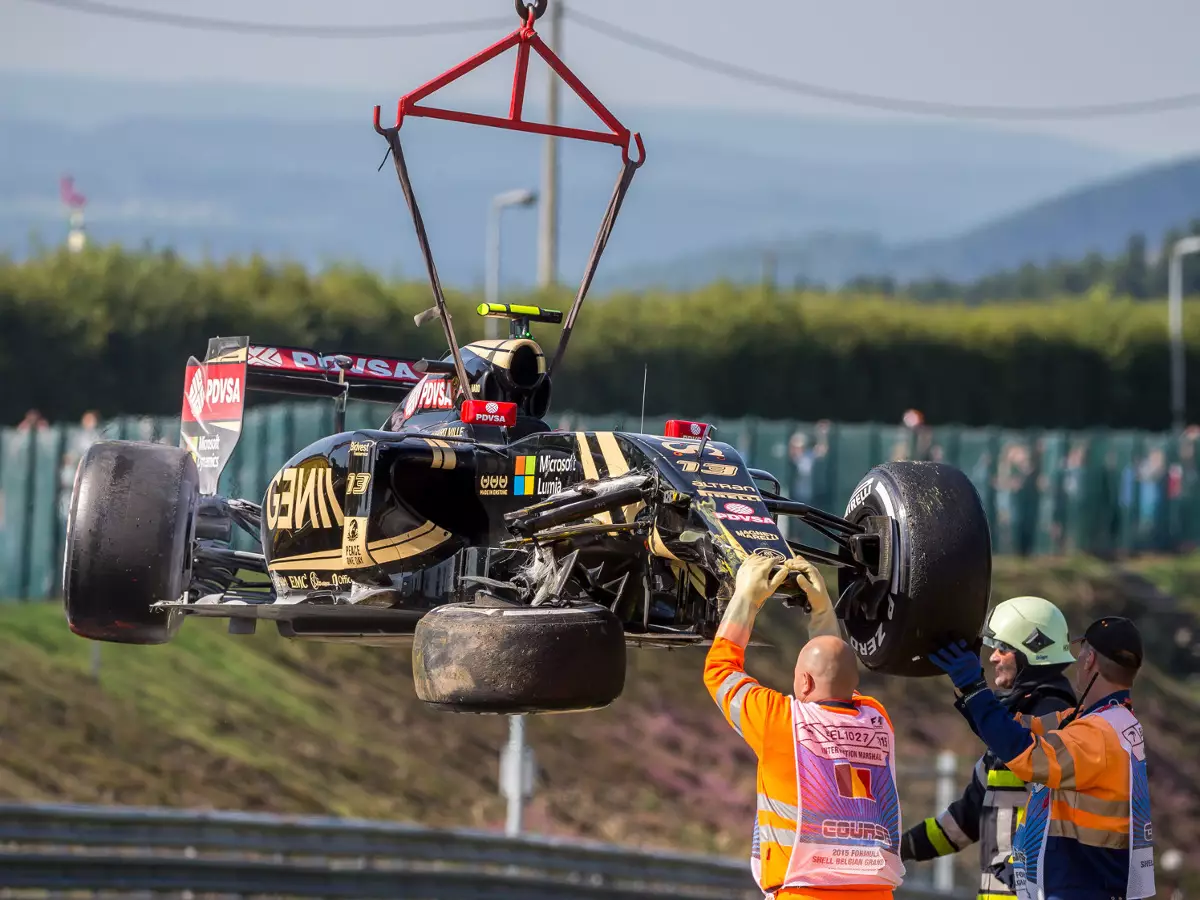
(212, 393)
(742, 512)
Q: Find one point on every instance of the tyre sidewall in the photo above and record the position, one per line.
(941, 566)
(111, 579)
(517, 659)
(877, 494)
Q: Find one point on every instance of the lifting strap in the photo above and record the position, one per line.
(524, 38)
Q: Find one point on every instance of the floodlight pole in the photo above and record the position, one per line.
(547, 264)
(1175, 325)
(501, 202)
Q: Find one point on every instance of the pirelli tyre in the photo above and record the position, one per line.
(934, 577)
(129, 534)
(515, 659)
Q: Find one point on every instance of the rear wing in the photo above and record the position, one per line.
(214, 391)
(310, 373)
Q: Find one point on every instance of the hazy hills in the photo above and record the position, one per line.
(1098, 217)
(213, 169)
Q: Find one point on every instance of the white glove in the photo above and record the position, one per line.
(823, 620)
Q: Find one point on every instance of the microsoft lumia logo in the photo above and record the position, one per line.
(524, 474)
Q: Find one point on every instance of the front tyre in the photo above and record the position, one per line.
(128, 542)
(939, 571)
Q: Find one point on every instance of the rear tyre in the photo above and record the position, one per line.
(517, 659)
(940, 571)
(128, 542)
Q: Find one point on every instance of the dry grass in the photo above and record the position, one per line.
(261, 723)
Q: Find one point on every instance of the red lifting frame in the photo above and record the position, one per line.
(523, 38)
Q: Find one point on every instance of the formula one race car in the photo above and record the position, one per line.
(520, 559)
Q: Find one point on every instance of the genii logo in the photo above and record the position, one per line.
(303, 497)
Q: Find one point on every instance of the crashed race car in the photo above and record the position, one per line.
(518, 560)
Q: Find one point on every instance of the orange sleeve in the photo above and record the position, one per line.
(753, 710)
(1048, 722)
(1074, 758)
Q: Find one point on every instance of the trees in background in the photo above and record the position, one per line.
(111, 330)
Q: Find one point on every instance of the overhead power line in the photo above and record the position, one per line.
(276, 29)
(876, 101)
(664, 49)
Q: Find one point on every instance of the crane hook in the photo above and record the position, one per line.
(537, 8)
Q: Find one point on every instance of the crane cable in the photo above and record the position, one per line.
(664, 49)
(273, 29)
(878, 101)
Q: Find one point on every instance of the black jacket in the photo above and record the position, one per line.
(988, 810)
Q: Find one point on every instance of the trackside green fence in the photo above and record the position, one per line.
(1109, 493)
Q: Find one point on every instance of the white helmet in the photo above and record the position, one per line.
(1032, 626)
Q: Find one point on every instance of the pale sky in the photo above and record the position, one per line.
(1019, 52)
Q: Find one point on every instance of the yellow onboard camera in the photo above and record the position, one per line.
(519, 316)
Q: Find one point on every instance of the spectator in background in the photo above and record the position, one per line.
(1012, 475)
(1186, 514)
(1074, 519)
(77, 443)
(803, 457)
(810, 471)
(1151, 475)
(823, 489)
(916, 441)
(33, 421)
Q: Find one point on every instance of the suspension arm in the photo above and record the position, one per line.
(811, 514)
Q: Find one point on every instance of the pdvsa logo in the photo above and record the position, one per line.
(204, 393)
(195, 394)
(431, 393)
(491, 415)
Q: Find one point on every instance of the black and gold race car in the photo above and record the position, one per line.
(518, 560)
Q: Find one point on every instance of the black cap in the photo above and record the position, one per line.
(1116, 638)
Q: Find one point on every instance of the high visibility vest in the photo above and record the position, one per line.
(1046, 816)
(846, 830)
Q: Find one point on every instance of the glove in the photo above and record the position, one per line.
(823, 619)
(754, 582)
(963, 666)
(908, 847)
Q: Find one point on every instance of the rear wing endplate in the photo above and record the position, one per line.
(214, 391)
